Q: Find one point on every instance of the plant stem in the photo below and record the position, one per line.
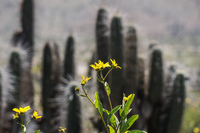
(109, 100)
(95, 107)
(107, 74)
(28, 122)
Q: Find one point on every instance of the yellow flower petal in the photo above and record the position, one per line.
(114, 64)
(100, 65)
(16, 116)
(127, 98)
(84, 80)
(62, 130)
(35, 115)
(16, 110)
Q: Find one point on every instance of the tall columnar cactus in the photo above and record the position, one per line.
(74, 113)
(102, 44)
(177, 104)
(15, 70)
(130, 61)
(53, 101)
(0, 100)
(117, 53)
(140, 79)
(155, 89)
(69, 58)
(46, 85)
(155, 77)
(27, 24)
(167, 99)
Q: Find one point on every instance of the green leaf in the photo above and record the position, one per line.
(114, 121)
(129, 123)
(107, 88)
(106, 111)
(37, 131)
(111, 129)
(127, 106)
(100, 80)
(23, 127)
(137, 131)
(98, 103)
(113, 111)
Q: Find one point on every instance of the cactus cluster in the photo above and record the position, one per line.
(160, 104)
(152, 98)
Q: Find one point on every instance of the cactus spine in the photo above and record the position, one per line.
(46, 85)
(74, 112)
(177, 104)
(102, 48)
(155, 89)
(69, 58)
(117, 53)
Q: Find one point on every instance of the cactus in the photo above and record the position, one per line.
(177, 104)
(140, 79)
(102, 48)
(155, 89)
(155, 77)
(0, 101)
(130, 61)
(54, 103)
(15, 70)
(46, 85)
(27, 23)
(117, 76)
(69, 58)
(74, 113)
(167, 99)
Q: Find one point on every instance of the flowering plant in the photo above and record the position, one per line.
(113, 124)
(19, 116)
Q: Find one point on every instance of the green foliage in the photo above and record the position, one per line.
(191, 118)
(113, 124)
(37, 131)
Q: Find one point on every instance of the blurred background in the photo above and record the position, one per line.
(173, 26)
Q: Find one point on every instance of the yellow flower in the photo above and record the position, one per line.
(188, 100)
(35, 115)
(16, 116)
(21, 110)
(127, 98)
(196, 130)
(100, 65)
(84, 80)
(114, 64)
(62, 130)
